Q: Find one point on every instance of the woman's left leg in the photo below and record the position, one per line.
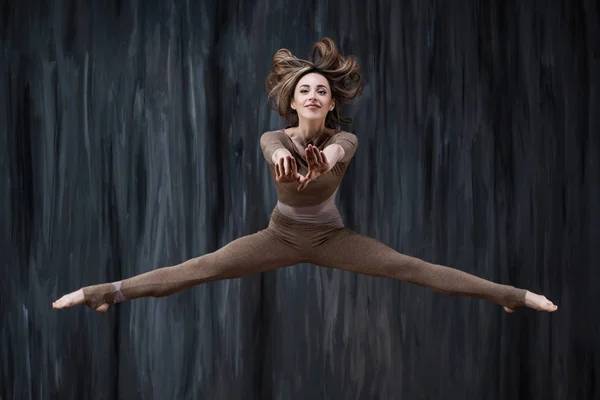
(353, 252)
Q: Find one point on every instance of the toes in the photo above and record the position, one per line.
(64, 302)
(549, 306)
(60, 303)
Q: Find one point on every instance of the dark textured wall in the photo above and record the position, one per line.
(129, 141)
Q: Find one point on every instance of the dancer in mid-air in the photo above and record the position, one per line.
(307, 160)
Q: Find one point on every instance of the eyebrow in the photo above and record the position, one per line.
(321, 86)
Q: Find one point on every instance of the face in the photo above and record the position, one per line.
(312, 97)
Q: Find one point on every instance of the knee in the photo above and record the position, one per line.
(218, 265)
(405, 268)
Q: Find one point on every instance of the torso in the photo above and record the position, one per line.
(300, 146)
(318, 191)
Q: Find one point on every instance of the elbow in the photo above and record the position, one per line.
(341, 156)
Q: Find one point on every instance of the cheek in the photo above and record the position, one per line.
(297, 99)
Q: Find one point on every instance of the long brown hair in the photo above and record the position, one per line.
(343, 74)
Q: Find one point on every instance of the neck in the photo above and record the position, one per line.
(308, 130)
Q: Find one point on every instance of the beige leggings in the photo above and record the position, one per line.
(287, 242)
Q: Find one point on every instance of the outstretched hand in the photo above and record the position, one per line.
(286, 170)
(317, 165)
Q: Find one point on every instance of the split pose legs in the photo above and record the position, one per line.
(287, 242)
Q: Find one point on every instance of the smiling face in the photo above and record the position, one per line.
(312, 97)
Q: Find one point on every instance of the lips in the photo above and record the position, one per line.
(313, 106)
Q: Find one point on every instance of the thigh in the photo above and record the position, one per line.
(258, 252)
(351, 251)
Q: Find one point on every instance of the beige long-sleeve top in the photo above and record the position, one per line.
(325, 185)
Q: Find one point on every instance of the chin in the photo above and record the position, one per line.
(313, 116)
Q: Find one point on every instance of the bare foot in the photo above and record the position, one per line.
(537, 302)
(74, 299)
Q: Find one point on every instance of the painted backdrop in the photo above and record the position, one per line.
(130, 141)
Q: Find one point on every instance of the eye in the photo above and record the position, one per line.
(323, 92)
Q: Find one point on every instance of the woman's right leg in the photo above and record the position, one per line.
(244, 256)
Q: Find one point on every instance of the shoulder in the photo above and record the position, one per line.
(348, 141)
(272, 135)
(272, 140)
(343, 135)
(279, 133)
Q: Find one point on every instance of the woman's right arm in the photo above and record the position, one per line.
(278, 156)
(273, 148)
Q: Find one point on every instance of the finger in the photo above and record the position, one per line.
(286, 166)
(306, 180)
(324, 158)
(285, 172)
(303, 181)
(319, 156)
(291, 163)
(277, 174)
(295, 173)
(309, 156)
(315, 155)
(281, 167)
(293, 166)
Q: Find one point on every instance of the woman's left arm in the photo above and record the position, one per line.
(334, 154)
(348, 142)
(342, 149)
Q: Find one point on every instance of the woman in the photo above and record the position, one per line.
(307, 161)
